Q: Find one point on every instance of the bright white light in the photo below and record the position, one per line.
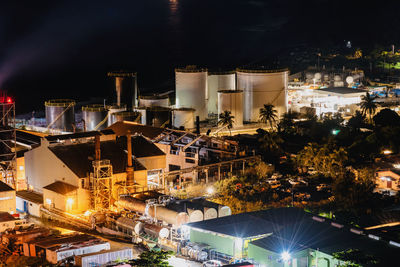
(70, 201)
(210, 190)
(48, 201)
(387, 152)
(285, 256)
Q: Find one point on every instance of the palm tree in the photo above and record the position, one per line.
(226, 119)
(268, 115)
(368, 106)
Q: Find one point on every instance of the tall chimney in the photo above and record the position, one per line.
(130, 179)
(118, 88)
(97, 151)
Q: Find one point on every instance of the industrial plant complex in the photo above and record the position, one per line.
(121, 168)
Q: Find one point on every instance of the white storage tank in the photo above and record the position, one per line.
(262, 86)
(153, 101)
(210, 213)
(183, 117)
(225, 80)
(232, 101)
(191, 89)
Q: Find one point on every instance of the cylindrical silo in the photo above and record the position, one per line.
(94, 117)
(124, 116)
(183, 117)
(219, 81)
(210, 213)
(231, 100)
(195, 215)
(153, 101)
(114, 109)
(261, 86)
(155, 116)
(125, 87)
(60, 114)
(191, 89)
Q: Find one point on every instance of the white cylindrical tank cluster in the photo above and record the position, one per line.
(231, 100)
(154, 101)
(261, 87)
(191, 89)
(183, 117)
(219, 81)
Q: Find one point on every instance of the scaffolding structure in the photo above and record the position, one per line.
(101, 181)
(8, 142)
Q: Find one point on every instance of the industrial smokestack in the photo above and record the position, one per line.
(97, 150)
(130, 179)
(118, 88)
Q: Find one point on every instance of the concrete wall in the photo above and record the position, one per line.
(7, 201)
(153, 163)
(42, 168)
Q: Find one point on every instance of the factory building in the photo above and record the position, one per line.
(61, 167)
(262, 86)
(285, 237)
(7, 198)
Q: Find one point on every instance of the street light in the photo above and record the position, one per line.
(285, 256)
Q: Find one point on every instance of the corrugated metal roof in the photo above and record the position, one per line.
(60, 187)
(5, 187)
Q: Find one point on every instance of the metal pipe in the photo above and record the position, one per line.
(97, 147)
(130, 179)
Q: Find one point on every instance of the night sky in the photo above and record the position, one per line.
(51, 49)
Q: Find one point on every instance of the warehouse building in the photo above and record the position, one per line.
(286, 237)
(7, 198)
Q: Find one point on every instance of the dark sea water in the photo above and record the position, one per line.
(63, 49)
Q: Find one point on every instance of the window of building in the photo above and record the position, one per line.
(190, 161)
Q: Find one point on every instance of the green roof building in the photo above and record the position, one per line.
(288, 237)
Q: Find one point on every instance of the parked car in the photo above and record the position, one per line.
(293, 182)
(212, 263)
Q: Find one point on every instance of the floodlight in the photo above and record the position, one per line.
(285, 256)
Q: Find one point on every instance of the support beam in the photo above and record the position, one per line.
(206, 170)
(219, 172)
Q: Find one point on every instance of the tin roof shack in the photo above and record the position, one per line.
(21, 237)
(103, 257)
(29, 202)
(56, 249)
(7, 198)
